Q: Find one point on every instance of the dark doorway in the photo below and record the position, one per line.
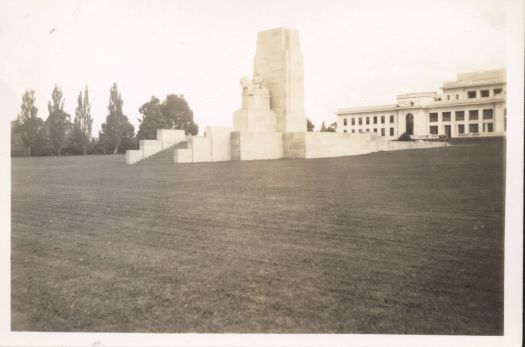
(409, 124)
(447, 131)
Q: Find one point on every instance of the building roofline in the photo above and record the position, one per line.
(440, 104)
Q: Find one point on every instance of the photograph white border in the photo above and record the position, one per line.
(513, 271)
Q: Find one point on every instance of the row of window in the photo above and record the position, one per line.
(460, 115)
(484, 93)
(472, 128)
(472, 94)
(367, 120)
(391, 131)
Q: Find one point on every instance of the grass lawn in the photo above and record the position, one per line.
(407, 242)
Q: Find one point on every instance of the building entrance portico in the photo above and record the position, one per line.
(448, 131)
(409, 124)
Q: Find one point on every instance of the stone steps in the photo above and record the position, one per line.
(166, 156)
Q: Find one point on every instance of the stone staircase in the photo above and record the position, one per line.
(166, 156)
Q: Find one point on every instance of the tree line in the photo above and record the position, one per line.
(58, 134)
(332, 128)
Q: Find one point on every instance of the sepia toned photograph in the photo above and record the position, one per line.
(339, 169)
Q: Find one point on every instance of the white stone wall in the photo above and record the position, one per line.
(294, 145)
(220, 143)
(254, 120)
(133, 156)
(170, 137)
(256, 145)
(150, 147)
(200, 148)
(323, 144)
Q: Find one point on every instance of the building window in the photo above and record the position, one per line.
(367, 130)
(353, 121)
(382, 131)
(344, 121)
(344, 131)
(497, 91)
(457, 96)
(484, 93)
(446, 116)
(473, 128)
(360, 121)
(375, 130)
(391, 131)
(391, 119)
(382, 119)
(488, 114)
(375, 119)
(461, 128)
(448, 97)
(490, 127)
(433, 129)
(367, 120)
(471, 94)
(353, 131)
(473, 115)
(433, 117)
(460, 115)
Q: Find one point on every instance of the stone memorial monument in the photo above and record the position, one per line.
(271, 122)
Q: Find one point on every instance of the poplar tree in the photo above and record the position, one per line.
(28, 124)
(58, 121)
(83, 122)
(117, 129)
(309, 125)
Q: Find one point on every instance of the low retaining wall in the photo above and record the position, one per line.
(220, 143)
(326, 145)
(256, 145)
(201, 148)
(400, 145)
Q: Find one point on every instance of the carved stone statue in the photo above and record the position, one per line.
(247, 86)
(255, 113)
(254, 87)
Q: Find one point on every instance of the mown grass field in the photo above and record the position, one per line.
(407, 242)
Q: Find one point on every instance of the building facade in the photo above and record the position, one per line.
(472, 106)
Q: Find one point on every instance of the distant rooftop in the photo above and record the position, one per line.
(417, 95)
(477, 78)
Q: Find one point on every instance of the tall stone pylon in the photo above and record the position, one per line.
(279, 61)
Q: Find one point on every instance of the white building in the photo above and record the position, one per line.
(474, 105)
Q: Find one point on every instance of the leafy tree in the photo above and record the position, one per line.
(58, 122)
(332, 128)
(117, 128)
(17, 145)
(323, 127)
(309, 125)
(28, 125)
(83, 122)
(172, 113)
(404, 137)
(152, 119)
(176, 109)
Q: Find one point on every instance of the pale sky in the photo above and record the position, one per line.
(355, 53)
